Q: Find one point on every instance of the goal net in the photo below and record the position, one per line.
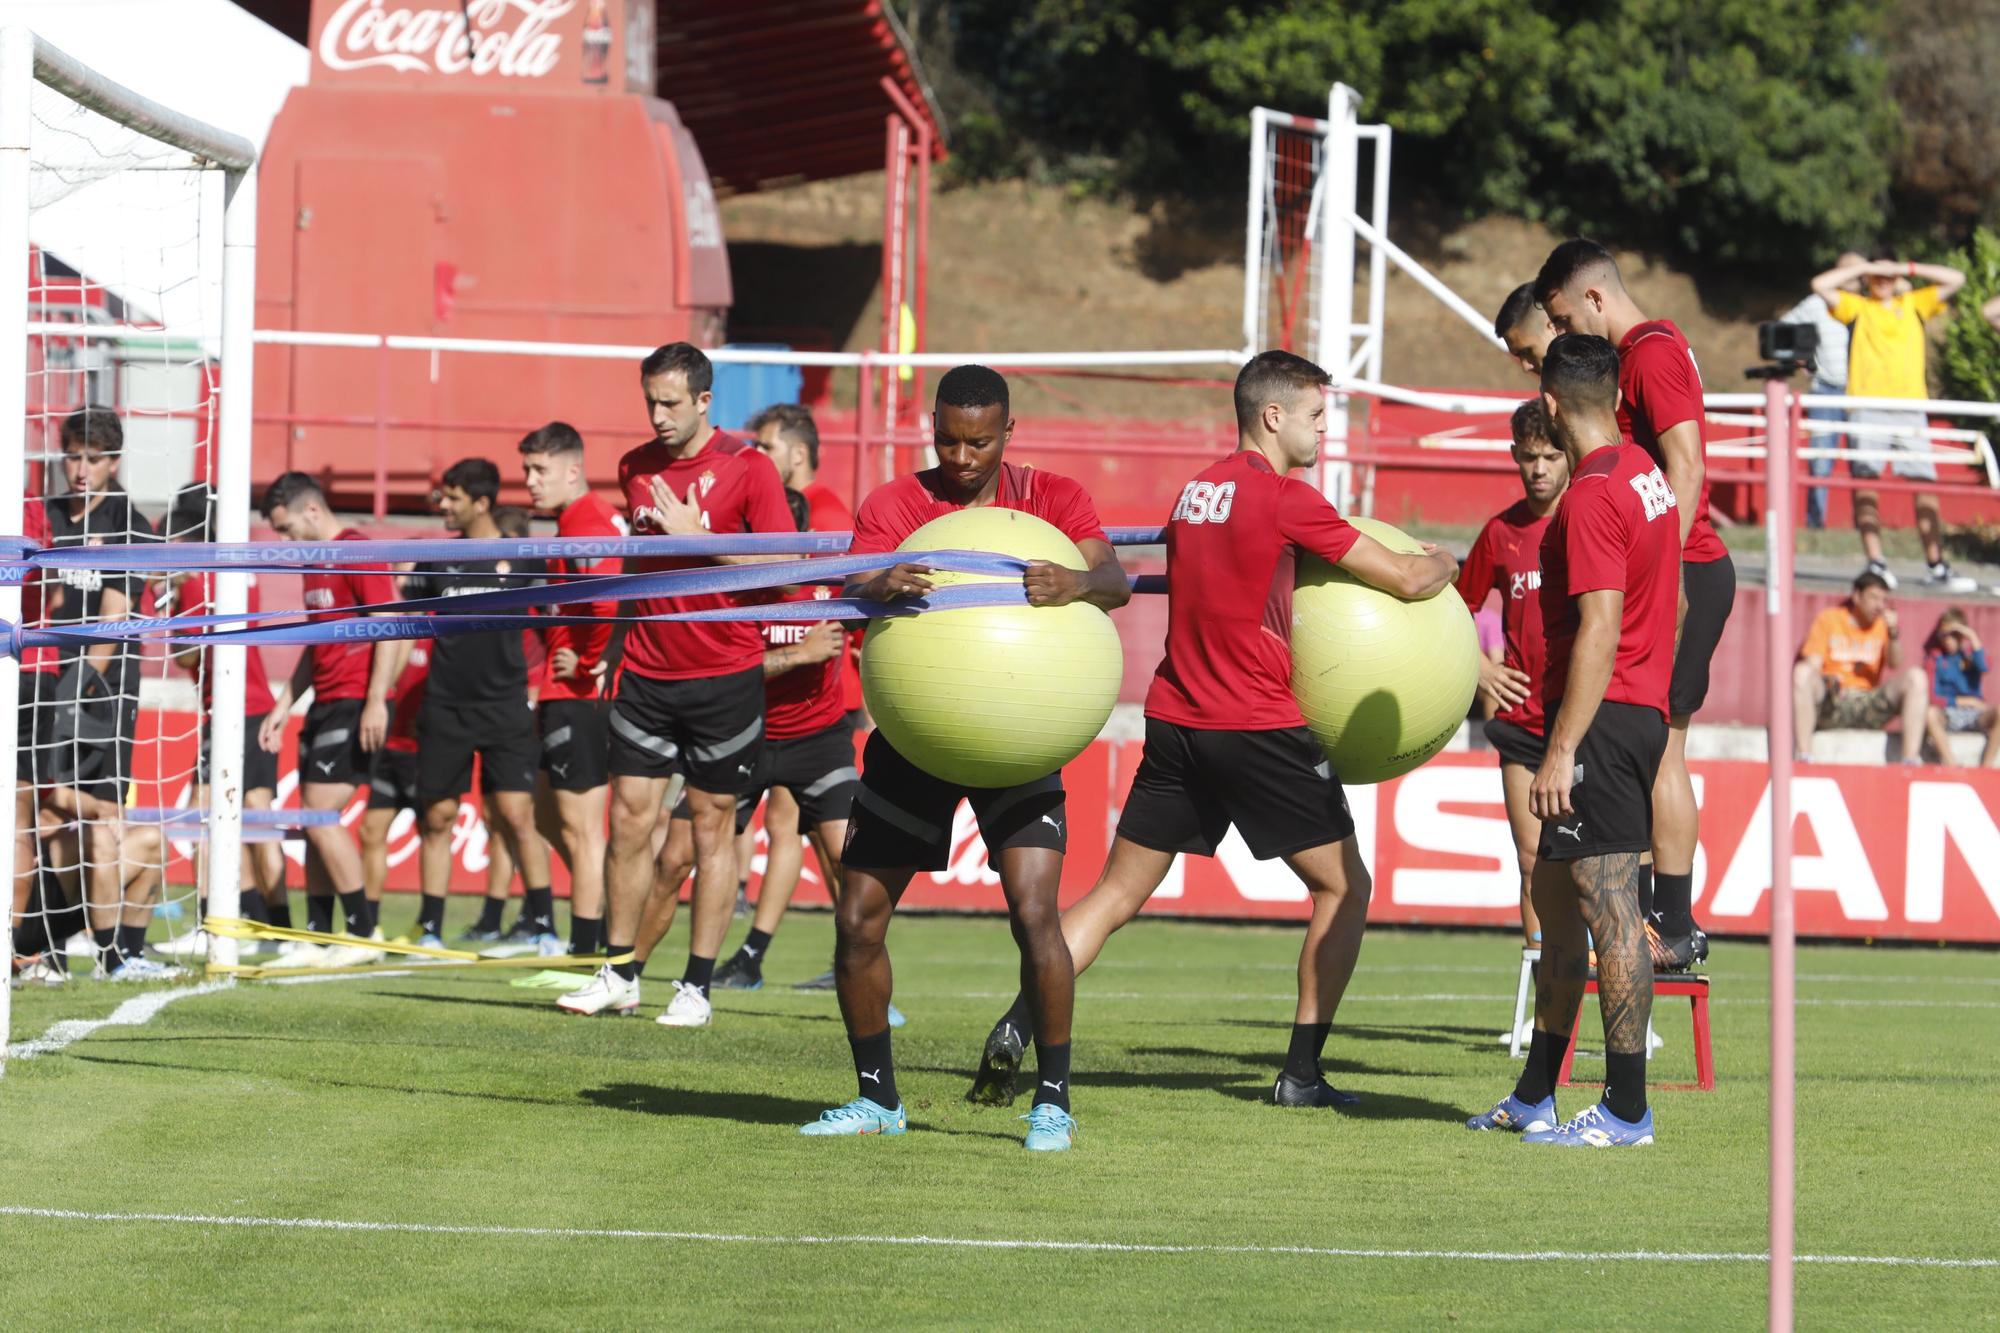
(111, 433)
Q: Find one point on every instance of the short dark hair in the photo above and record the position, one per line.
(1266, 375)
(973, 387)
(1520, 303)
(191, 515)
(689, 360)
(1567, 261)
(558, 437)
(512, 520)
(801, 509)
(795, 423)
(1581, 371)
(289, 490)
(95, 428)
(477, 477)
(1529, 423)
(1867, 579)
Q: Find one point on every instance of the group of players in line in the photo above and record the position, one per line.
(1603, 666)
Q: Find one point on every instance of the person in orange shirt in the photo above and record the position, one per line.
(1850, 672)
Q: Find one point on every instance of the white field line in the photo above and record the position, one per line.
(135, 1012)
(1459, 969)
(970, 1243)
(1440, 997)
(334, 976)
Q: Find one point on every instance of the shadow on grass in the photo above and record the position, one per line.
(754, 1107)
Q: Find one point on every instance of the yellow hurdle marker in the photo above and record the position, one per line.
(445, 959)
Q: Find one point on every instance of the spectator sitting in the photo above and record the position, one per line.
(1885, 359)
(1829, 376)
(1958, 669)
(1850, 672)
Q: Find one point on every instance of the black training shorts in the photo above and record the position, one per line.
(260, 766)
(1711, 594)
(818, 770)
(709, 727)
(1277, 787)
(1515, 744)
(576, 743)
(330, 744)
(901, 817)
(392, 781)
(1612, 794)
(449, 734)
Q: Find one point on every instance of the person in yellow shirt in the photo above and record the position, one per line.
(1885, 359)
(1850, 673)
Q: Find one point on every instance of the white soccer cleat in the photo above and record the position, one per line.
(39, 971)
(144, 969)
(299, 953)
(688, 1009)
(605, 992)
(194, 944)
(357, 954)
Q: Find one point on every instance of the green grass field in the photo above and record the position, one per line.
(484, 1147)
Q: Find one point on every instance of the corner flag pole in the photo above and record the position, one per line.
(1780, 430)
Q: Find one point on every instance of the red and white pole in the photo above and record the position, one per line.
(1780, 436)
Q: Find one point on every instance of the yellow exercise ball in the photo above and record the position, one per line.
(1383, 683)
(992, 696)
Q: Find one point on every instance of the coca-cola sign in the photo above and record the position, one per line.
(539, 43)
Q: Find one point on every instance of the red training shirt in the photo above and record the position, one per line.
(196, 597)
(1617, 527)
(340, 670)
(1660, 387)
(898, 508)
(738, 491)
(807, 699)
(1507, 557)
(406, 699)
(40, 594)
(829, 513)
(1232, 552)
(590, 516)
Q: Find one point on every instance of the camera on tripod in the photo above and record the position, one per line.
(1786, 348)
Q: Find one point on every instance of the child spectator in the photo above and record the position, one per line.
(1957, 662)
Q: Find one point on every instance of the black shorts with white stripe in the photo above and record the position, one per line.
(330, 744)
(710, 728)
(576, 743)
(818, 770)
(902, 816)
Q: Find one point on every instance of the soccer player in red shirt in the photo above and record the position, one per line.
(1661, 412)
(1610, 581)
(1506, 558)
(690, 694)
(573, 702)
(1225, 741)
(1524, 326)
(902, 816)
(349, 717)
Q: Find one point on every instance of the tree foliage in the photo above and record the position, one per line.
(1941, 58)
(1740, 130)
(1969, 361)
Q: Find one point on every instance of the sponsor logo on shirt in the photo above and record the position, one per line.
(1524, 582)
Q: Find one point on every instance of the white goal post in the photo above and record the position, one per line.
(34, 74)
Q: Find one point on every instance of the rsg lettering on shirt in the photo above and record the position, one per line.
(1205, 502)
(1654, 493)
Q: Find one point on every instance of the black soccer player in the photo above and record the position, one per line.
(1225, 741)
(902, 816)
(1610, 580)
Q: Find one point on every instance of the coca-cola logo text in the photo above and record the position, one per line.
(510, 38)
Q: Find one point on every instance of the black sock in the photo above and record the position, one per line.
(1052, 1074)
(756, 944)
(541, 909)
(250, 906)
(279, 913)
(631, 967)
(319, 912)
(1673, 903)
(1646, 890)
(698, 972)
(875, 1069)
(1625, 1085)
(374, 916)
(1302, 1058)
(107, 946)
(489, 913)
(1538, 1075)
(1017, 1013)
(131, 940)
(430, 915)
(586, 934)
(354, 906)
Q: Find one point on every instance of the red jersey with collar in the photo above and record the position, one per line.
(406, 700)
(590, 516)
(1507, 558)
(340, 670)
(829, 513)
(1617, 527)
(196, 597)
(1232, 555)
(810, 698)
(895, 510)
(738, 490)
(1659, 387)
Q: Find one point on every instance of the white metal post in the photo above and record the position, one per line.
(1336, 287)
(17, 82)
(1378, 258)
(1253, 235)
(232, 524)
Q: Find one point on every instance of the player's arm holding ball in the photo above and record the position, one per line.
(1103, 584)
(1409, 575)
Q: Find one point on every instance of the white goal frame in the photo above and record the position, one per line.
(25, 60)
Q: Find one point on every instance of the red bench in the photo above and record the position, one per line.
(1666, 986)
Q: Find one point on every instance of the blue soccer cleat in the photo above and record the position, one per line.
(1596, 1127)
(896, 1018)
(859, 1116)
(1050, 1128)
(1517, 1117)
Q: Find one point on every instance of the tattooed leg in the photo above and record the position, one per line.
(1608, 892)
